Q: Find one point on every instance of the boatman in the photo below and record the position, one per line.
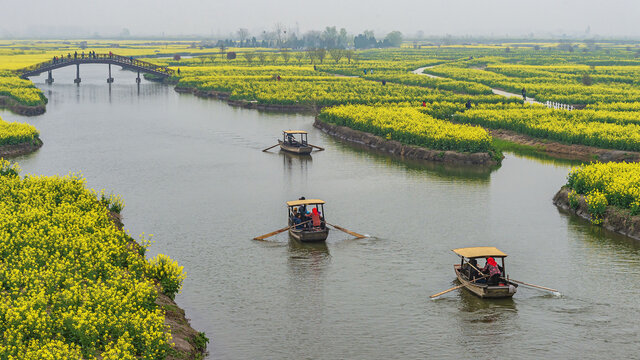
(491, 268)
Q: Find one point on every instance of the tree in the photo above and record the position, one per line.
(365, 40)
(336, 54)
(330, 37)
(393, 39)
(262, 57)
(299, 56)
(587, 80)
(202, 59)
(349, 55)
(243, 34)
(222, 48)
(286, 55)
(249, 56)
(311, 55)
(320, 54)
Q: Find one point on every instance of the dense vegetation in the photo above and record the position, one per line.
(410, 126)
(17, 133)
(74, 286)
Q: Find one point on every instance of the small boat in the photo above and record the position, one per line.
(501, 288)
(307, 233)
(291, 144)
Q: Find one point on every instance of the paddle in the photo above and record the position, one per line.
(358, 236)
(455, 287)
(317, 147)
(262, 237)
(271, 147)
(532, 285)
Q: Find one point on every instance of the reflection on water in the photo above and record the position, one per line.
(292, 162)
(435, 169)
(192, 172)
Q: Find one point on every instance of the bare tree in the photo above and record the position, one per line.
(222, 49)
(349, 55)
(243, 34)
(336, 54)
(299, 56)
(202, 59)
(311, 55)
(249, 56)
(320, 53)
(286, 55)
(279, 31)
(262, 57)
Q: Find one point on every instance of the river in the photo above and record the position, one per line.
(192, 173)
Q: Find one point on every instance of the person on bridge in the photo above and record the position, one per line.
(83, 54)
(75, 55)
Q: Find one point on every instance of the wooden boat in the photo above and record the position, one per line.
(307, 233)
(291, 144)
(503, 288)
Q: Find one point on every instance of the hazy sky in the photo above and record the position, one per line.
(434, 17)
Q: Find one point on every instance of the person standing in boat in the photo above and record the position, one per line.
(302, 209)
(491, 268)
(315, 218)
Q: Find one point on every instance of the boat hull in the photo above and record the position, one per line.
(309, 235)
(486, 291)
(295, 149)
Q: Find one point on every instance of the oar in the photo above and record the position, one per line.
(454, 288)
(317, 147)
(358, 236)
(532, 285)
(271, 147)
(262, 237)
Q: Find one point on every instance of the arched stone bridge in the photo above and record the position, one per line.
(126, 62)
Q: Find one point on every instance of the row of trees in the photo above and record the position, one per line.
(314, 55)
(329, 38)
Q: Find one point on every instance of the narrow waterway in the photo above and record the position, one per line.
(192, 173)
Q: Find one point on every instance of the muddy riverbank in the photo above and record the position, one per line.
(302, 108)
(406, 151)
(13, 150)
(14, 106)
(565, 151)
(614, 219)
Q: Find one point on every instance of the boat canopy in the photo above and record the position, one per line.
(305, 202)
(294, 132)
(476, 252)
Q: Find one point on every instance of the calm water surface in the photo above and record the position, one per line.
(192, 173)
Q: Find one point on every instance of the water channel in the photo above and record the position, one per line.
(192, 173)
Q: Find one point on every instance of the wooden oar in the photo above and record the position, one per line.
(454, 288)
(262, 237)
(358, 236)
(317, 147)
(446, 291)
(271, 147)
(532, 285)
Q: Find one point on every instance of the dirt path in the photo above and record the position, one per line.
(495, 91)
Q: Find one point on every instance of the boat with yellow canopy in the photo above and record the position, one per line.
(471, 277)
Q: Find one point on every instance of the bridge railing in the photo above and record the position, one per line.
(89, 58)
